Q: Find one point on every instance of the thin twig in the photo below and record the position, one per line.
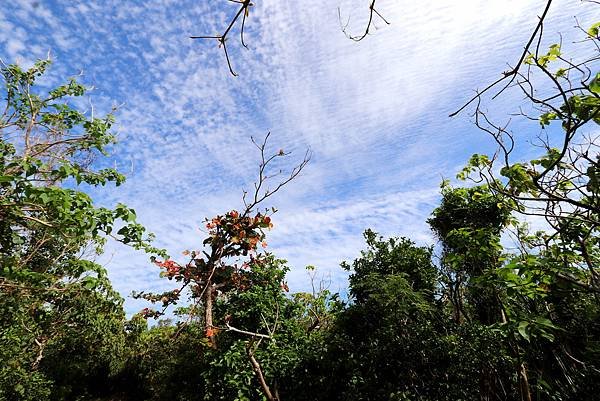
(511, 74)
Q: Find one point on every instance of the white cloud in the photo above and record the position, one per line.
(374, 112)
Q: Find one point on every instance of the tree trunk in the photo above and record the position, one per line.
(259, 375)
(208, 316)
(524, 383)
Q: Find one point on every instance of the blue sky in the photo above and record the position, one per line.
(374, 113)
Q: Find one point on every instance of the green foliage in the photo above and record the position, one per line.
(378, 346)
(469, 222)
(396, 256)
(543, 60)
(61, 319)
(163, 363)
(263, 309)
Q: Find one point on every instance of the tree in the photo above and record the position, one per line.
(559, 186)
(54, 300)
(257, 362)
(469, 223)
(556, 268)
(220, 274)
(386, 344)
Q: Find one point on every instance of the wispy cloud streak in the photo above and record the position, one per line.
(374, 112)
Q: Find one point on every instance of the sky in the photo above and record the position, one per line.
(373, 113)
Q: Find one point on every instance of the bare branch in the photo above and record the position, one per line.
(259, 374)
(243, 12)
(512, 73)
(370, 24)
(247, 333)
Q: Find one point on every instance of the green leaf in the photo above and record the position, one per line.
(546, 118)
(89, 282)
(595, 84)
(522, 328)
(553, 54)
(593, 31)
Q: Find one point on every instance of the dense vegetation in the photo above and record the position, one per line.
(494, 312)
